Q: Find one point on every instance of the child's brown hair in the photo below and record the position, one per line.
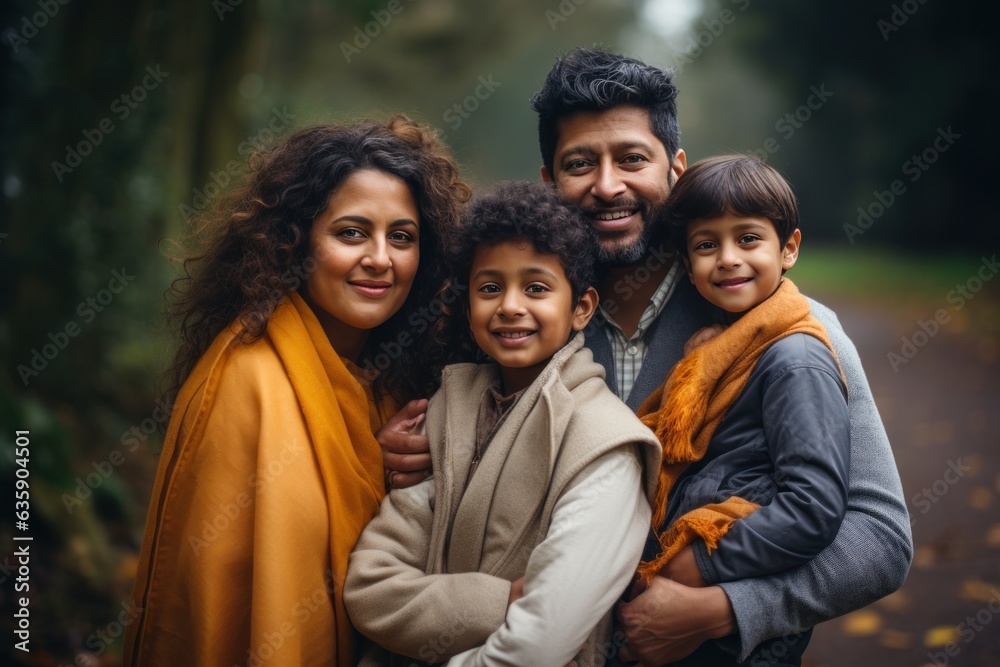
(739, 185)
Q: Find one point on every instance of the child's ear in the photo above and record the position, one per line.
(686, 265)
(790, 253)
(585, 309)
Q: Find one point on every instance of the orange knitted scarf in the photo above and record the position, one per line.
(687, 408)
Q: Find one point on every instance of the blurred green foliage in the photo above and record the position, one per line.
(227, 69)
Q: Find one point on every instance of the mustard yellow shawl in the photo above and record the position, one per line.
(268, 474)
(691, 403)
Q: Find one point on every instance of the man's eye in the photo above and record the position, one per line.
(576, 164)
(634, 159)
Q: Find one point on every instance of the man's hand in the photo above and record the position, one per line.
(669, 621)
(405, 455)
(702, 336)
(683, 568)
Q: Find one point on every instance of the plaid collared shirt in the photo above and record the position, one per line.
(628, 353)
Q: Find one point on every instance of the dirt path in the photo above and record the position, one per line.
(941, 409)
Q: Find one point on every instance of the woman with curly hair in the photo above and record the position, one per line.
(270, 469)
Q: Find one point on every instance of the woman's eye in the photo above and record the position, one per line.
(403, 237)
(351, 233)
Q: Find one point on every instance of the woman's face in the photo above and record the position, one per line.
(366, 247)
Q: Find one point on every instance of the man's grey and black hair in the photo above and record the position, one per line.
(597, 80)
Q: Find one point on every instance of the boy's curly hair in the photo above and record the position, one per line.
(516, 211)
(533, 212)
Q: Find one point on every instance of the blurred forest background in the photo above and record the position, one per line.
(121, 119)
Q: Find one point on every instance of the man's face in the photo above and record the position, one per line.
(611, 165)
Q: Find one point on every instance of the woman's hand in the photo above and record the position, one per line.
(406, 456)
(702, 336)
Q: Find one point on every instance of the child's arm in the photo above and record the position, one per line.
(807, 431)
(702, 336)
(392, 601)
(599, 526)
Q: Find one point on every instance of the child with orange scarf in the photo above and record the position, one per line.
(753, 420)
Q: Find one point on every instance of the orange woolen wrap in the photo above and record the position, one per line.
(268, 474)
(687, 408)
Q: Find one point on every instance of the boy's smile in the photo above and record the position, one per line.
(521, 309)
(736, 262)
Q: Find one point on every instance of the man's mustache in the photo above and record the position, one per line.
(621, 202)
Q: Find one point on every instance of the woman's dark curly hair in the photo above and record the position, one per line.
(256, 240)
(521, 211)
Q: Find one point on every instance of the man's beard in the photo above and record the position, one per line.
(626, 253)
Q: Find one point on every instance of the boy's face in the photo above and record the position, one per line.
(521, 309)
(736, 262)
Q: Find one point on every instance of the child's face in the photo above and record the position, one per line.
(521, 309)
(736, 262)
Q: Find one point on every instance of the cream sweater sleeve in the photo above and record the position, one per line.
(599, 526)
(393, 602)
